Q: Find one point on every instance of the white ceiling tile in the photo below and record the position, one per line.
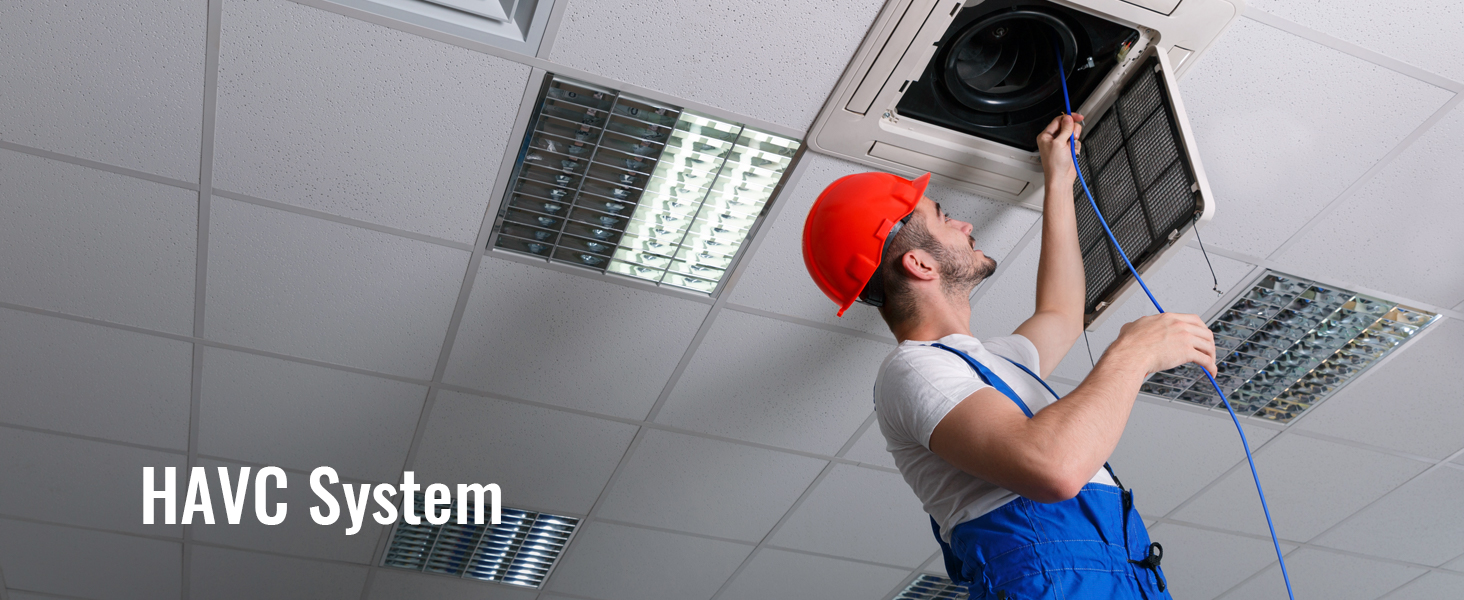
(1398, 232)
(1322, 574)
(772, 382)
(1310, 485)
(935, 566)
(616, 562)
(1405, 405)
(1182, 285)
(299, 534)
(220, 574)
(115, 83)
(1167, 454)
(393, 584)
(542, 459)
(89, 564)
(316, 289)
(705, 486)
(1265, 106)
(777, 281)
(1431, 586)
(775, 61)
(543, 335)
(870, 449)
(1201, 564)
(862, 514)
(57, 372)
(275, 412)
(81, 482)
(782, 574)
(338, 115)
(1419, 522)
(1457, 564)
(1423, 34)
(96, 244)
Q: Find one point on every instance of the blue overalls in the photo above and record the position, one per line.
(1091, 546)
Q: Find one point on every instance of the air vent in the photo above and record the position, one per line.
(514, 25)
(630, 186)
(521, 550)
(932, 587)
(1287, 344)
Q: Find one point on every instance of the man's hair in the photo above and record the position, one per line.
(899, 300)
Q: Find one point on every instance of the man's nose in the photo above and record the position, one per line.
(966, 228)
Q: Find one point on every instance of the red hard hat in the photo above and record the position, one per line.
(844, 236)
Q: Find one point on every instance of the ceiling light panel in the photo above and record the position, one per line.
(520, 550)
(1287, 343)
(639, 188)
(932, 587)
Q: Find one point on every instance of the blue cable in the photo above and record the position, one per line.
(1245, 444)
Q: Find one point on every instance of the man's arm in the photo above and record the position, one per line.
(1058, 320)
(1049, 457)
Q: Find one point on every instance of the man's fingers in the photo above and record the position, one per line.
(1053, 127)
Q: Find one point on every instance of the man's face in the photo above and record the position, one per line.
(962, 265)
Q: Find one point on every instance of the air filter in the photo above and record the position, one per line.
(1142, 180)
(520, 550)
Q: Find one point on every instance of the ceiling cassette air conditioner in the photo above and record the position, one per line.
(960, 89)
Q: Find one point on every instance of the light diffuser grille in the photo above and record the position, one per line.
(932, 587)
(521, 550)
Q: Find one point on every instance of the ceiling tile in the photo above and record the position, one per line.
(55, 371)
(1268, 128)
(861, 514)
(1457, 564)
(96, 244)
(870, 449)
(1412, 32)
(1431, 586)
(1322, 574)
(542, 459)
(81, 482)
(1404, 405)
(777, 281)
(119, 83)
(1183, 285)
(275, 412)
(391, 584)
(334, 114)
(1167, 454)
(616, 562)
(299, 534)
(781, 574)
(772, 382)
(705, 486)
(1399, 231)
(1201, 564)
(1419, 522)
(316, 289)
(775, 61)
(1310, 485)
(48, 559)
(220, 574)
(547, 336)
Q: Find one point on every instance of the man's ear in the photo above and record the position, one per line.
(919, 265)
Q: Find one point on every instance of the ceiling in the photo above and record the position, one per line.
(244, 232)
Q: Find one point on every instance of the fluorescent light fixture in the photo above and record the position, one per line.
(639, 188)
(520, 550)
(1288, 343)
(932, 587)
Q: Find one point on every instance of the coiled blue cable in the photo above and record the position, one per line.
(1073, 148)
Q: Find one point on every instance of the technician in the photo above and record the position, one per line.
(1015, 481)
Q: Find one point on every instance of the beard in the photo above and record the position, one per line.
(960, 272)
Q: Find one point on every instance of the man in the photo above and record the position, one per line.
(1015, 481)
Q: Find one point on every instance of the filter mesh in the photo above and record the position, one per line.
(1133, 161)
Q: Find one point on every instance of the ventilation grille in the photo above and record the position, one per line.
(520, 550)
(1141, 179)
(1288, 343)
(932, 587)
(624, 185)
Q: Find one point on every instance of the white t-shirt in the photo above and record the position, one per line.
(917, 385)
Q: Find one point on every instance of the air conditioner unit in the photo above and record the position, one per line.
(960, 89)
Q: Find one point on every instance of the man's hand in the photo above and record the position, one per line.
(1160, 342)
(1057, 162)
